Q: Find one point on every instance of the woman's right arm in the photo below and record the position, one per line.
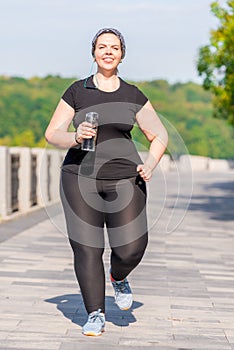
(57, 133)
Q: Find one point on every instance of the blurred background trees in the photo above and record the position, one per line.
(26, 106)
(216, 62)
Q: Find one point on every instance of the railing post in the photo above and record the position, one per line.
(24, 179)
(55, 164)
(5, 183)
(42, 181)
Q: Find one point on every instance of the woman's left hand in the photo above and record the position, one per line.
(145, 172)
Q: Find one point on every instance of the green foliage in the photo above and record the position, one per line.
(216, 62)
(188, 108)
(26, 106)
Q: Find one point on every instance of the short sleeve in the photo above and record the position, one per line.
(69, 96)
(141, 99)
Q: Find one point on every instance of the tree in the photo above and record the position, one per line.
(216, 62)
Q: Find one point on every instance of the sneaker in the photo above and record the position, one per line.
(95, 323)
(123, 293)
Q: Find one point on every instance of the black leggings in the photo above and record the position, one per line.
(90, 204)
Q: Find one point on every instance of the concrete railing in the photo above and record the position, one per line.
(29, 179)
(30, 176)
(198, 163)
(188, 163)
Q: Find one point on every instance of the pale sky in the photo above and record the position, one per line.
(44, 37)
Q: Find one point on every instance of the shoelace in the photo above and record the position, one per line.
(95, 315)
(122, 287)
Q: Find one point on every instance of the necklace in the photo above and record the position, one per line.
(96, 83)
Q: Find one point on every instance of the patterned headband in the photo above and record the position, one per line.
(113, 31)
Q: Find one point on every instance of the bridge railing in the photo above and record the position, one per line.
(29, 177)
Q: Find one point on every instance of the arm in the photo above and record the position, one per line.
(155, 132)
(57, 132)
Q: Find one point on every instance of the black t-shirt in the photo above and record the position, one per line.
(115, 156)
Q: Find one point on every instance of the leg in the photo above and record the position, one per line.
(85, 230)
(90, 274)
(83, 209)
(125, 258)
(127, 227)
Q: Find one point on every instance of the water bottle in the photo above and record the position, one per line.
(89, 144)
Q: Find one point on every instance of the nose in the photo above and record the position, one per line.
(108, 50)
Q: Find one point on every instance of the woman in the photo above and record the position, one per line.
(105, 187)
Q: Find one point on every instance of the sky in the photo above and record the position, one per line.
(38, 38)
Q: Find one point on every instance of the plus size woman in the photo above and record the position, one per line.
(105, 189)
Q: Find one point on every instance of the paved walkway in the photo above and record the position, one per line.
(183, 289)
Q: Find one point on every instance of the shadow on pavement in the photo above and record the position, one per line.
(71, 306)
(218, 200)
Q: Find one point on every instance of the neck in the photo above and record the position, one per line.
(107, 81)
(106, 73)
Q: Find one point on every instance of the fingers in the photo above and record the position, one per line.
(85, 131)
(144, 171)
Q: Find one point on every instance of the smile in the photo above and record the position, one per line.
(108, 59)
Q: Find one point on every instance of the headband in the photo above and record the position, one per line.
(113, 31)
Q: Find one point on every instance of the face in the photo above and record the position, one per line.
(108, 51)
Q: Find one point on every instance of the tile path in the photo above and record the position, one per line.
(183, 288)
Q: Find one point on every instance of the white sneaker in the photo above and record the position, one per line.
(95, 323)
(123, 294)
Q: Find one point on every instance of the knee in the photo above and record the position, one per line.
(131, 253)
(131, 257)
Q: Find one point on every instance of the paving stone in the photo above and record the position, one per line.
(6, 347)
(183, 288)
(202, 342)
(29, 345)
(72, 346)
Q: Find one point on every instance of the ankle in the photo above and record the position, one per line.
(115, 280)
(112, 278)
(99, 311)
